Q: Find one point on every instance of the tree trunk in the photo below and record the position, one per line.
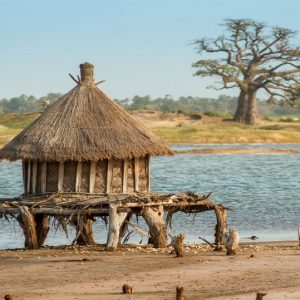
(246, 111)
(157, 226)
(42, 228)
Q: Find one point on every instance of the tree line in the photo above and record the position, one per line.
(223, 105)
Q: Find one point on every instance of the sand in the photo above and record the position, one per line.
(91, 273)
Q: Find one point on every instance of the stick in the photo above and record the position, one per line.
(138, 230)
(73, 78)
(206, 241)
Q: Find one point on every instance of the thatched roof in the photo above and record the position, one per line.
(84, 124)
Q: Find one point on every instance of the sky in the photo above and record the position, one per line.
(140, 47)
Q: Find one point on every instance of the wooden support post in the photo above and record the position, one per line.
(34, 176)
(60, 185)
(221, 215)
(136, 174)
(125, 175)
(299, 235)
(149, 174)
(109, 176)
(27, 223)
(28, 176)
(84, 230)
(114, 224)
(78, 177)
(92, 176)
(157, 226)
(43, 177)
(24, 176)
(42, 228)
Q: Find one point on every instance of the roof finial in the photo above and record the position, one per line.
(87, 73)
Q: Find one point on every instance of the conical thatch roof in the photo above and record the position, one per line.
(84, 124)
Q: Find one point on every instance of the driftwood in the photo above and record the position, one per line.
(157, 226)
(206, 241)
(178, 245)
(180, 293)
(115, 221)
(127, 288)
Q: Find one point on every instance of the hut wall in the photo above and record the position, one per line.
(115, 176)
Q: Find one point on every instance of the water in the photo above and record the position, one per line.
(263, 190)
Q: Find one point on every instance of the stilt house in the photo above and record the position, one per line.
(85, 143)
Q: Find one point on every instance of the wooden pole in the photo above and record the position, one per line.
(299, 235)
(92, 176)
(60, 185)
(34, 176)
(149, 174)
(115, 221)
(24, 176)
(157, 226)
(28, 176)
(136, 174)
(43, 177)
(109, 176)
(125, 175)
(221, 215)
(78, 177)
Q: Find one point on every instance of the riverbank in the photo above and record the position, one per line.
(176, 128)
(91, 273)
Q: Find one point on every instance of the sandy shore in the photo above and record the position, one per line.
(90, 273)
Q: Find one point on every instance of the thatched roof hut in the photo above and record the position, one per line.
(85, 142)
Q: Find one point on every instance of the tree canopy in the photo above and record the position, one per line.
(251, 56)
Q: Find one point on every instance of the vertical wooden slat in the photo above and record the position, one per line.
(125, 175)
(43, 177)
(92, 176)
(109, 176)
(136, 174)
(28, 176)
(60, 184)
(149, 174)
(78, 177)
(24, 176)
(34, 176)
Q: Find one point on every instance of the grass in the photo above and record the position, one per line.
(208, 130)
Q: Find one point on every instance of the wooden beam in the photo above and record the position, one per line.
(43, 176)
(125, 175)
(136, 174)
(60, 184)
(28, 176)
(34, 176)
(92, 176)
(78, 177)
(24, 176)
(109, 176)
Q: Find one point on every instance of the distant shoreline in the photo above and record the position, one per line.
(237, 151)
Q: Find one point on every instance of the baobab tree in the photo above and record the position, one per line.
(251, 56)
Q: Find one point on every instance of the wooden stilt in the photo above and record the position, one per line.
(157, 226)
(115, 221)
(84, 230)
(27, 222)
(221, 215)
(42, 228)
